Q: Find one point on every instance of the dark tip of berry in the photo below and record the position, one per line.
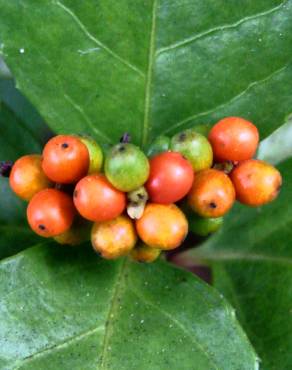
(42, 227)
(5, 168)
(75, 194)
(140, 196)
(212, 205)
(182, 136)
(126, 138)
(65, 145)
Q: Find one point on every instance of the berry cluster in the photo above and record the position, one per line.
(140, 206)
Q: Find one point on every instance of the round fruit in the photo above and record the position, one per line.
(194, 147)
(204, 226)
(143, 253)
(171, 177)
(27, 177)
(126, 167)
(95, 154)
(50, 213)
(159, 145)
(162, 226)
(234, 139)
(65, 159)
(256, 182)
(78, 233)
(212, 193)
(97, 200)
(115, 238)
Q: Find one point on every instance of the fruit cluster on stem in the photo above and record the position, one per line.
(142, 204)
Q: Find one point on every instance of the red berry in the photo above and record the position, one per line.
(50, 213)
(234, 139)
(256, 182)
(65, 159)
(171, 177)
(97, 200)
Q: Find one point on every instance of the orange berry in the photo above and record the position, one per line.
(65, 159)
(162, 226)
(212, 193)
(97, 200)
(50, 213)
(143, 253)
(234, 139)
(115, 238)
(27, 177)
(256, 182)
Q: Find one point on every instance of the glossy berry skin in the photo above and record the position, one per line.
(95, 154)
(50, 213)
(126, 167)
(65, 159)
(97, 200)
(115, 238)
(162, 226)
(159, 145)
(27, 177)
(203, 226)
(234, 139)
(143, 253)
(256, 182)
(171, 177)
(194, 147)
(212, 193)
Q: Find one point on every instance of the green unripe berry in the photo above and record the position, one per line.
(203, 226)
(126, 167)
(95, 154)
(194, 147)
(159, 145)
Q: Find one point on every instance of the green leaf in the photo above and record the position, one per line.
(252, 265)
(150, 67)
(22, 132)
(87, 313)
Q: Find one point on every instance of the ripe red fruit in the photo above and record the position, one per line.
(234, 139)
(50, 213)
(171, 177)
(65, 159)
(27, 177)
(162, 226)
(212, 193)
(256, 182)
(97, 200)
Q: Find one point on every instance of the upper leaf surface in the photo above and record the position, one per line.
(149, 67)
(87, 313)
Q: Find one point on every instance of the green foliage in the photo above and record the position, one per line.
(148, 68)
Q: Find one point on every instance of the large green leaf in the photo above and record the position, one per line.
(148, 67)
(68, 309)
(252, 265)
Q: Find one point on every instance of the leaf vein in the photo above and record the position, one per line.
(223, 105)
(96, 41)
(146, 124)
(198, 36)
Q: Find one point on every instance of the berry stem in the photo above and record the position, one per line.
(5, 168)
